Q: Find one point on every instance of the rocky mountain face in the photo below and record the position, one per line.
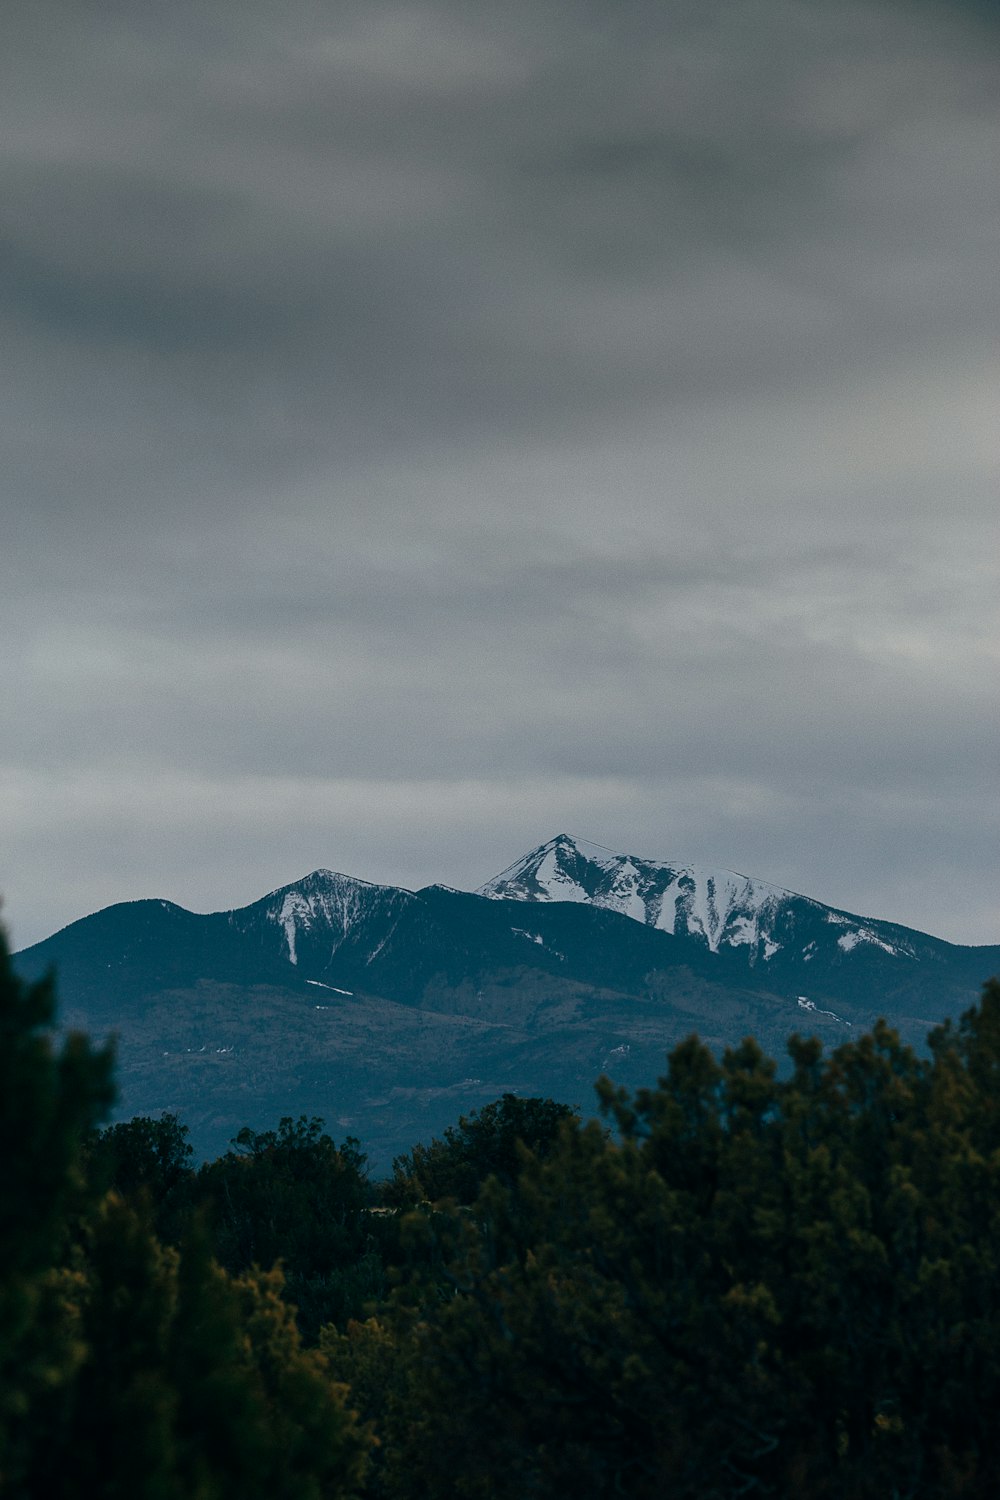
(390, 1012)
(719, 908)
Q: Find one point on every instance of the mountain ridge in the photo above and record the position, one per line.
(562, 870)
(389, 1011)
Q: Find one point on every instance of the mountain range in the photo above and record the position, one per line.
(390, 1012)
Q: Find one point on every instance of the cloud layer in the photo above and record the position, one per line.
(425, 431)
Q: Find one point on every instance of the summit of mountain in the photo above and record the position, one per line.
(717, 907)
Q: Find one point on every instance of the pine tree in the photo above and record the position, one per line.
(50, 1097)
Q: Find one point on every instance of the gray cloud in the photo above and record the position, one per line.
(424, 430)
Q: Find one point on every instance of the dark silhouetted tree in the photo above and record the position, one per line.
(51, 1095)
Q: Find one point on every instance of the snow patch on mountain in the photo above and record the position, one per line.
(294, 910)
(850, 940)
(858, 933)
(552, 877)
(805, 1003)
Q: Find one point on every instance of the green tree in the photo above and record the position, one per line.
(146, 1160)
(191, 1384)
(142, 1153)
(483, 1144)
(294, 1196)
(50, 1096)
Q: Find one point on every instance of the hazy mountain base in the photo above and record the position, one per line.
(222, 1056)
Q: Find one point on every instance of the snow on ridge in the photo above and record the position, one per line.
(722, 906)
(326, 879)
(610, 859)
(550, 874)
(625, 895)
(850, 940)
(725, 907)
(293, 906)
(326, 900)
(860, 932)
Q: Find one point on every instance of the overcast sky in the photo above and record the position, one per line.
(431, 427)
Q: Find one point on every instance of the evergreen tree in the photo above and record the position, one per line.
(50, 1096)
(191, 1383)
(483, 1144)
(293, 1195)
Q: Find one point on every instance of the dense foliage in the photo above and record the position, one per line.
(487, 1143)
(742, 1284)
(775, 1287)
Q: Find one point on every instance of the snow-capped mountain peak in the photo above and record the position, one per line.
(721, 908)
(323, 903)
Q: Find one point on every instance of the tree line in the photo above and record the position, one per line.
(737, 1283)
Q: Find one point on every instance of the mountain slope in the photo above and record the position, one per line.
(389, 1012)
(720, 907)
